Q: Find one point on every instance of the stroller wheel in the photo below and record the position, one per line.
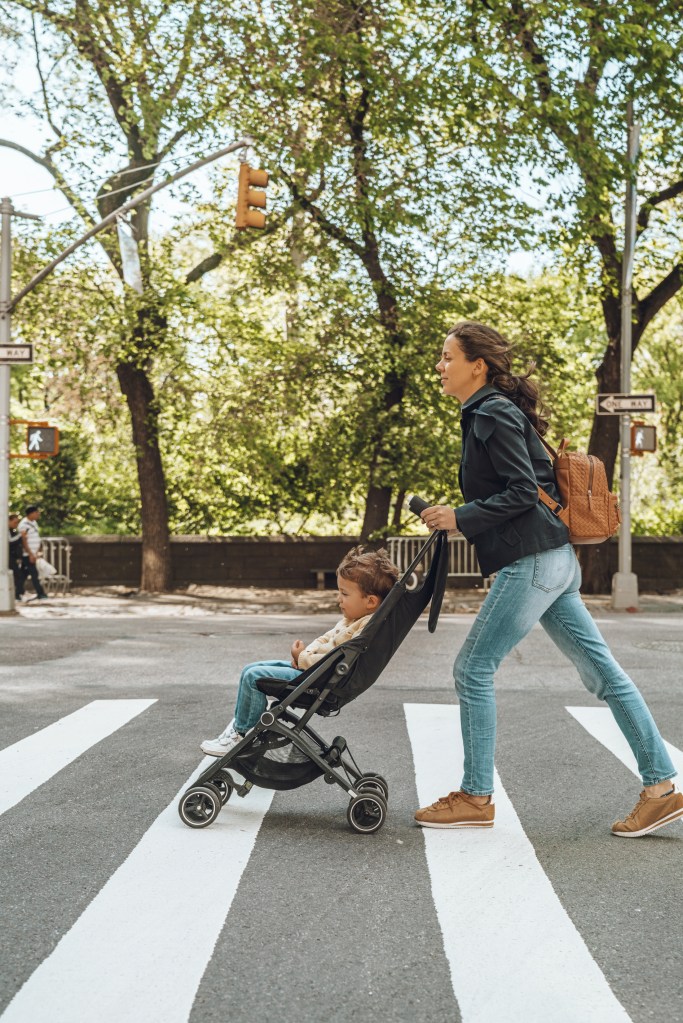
(223, 786)
(373, 783)
(199, 806)
(366, 813)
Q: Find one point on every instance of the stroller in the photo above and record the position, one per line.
(283, 751)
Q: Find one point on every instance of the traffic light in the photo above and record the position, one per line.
(248, 196)
(42, 440)
(643, 438)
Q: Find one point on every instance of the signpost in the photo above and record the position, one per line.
(16, 355)
(618, 404)
(625, 581)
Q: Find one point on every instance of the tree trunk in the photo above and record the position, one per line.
(156, 547)
(398, 509)
(604, 442)
(377, 506)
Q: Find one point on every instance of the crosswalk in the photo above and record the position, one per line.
(141, 946)
(31, 762)
(515, 914)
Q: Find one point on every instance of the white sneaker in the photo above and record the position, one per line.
(226, 741)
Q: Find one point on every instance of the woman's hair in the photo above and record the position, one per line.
(478, 341)
(372, 571)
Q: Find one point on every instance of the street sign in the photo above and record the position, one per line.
(616, 404)
(42, 440)
(16, 354)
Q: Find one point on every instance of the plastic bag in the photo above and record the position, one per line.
(45, 569)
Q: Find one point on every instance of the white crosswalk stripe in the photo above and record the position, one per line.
(32, 761)
(139, 950)
(496, 905)
(599, 722)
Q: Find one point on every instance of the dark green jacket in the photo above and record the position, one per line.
(502, 462)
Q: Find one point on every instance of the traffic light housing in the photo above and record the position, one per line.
(42, 441)
(643, 438)
(248, 196)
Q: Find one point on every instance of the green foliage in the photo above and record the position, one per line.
(298, 372)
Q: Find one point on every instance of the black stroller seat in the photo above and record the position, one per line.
(283, 751)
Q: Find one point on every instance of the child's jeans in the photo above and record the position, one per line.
(251, 702)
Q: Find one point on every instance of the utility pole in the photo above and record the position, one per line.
(625, 581)
(7, 211)
(8, 304)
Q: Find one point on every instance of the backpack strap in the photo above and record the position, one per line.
(547, 500)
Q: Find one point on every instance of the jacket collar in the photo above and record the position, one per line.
(475, 399)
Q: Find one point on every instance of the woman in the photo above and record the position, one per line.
(538, 578)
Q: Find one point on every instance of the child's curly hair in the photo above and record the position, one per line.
(372, 571)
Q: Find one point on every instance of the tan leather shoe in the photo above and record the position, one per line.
(456, 810)
(649, 814)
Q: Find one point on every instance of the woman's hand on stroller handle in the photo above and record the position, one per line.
(435, 516)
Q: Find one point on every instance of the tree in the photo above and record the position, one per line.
(557, 74)
(133, 99)
(350, 89)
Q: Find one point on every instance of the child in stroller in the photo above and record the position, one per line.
(364, 578)
(265, 755)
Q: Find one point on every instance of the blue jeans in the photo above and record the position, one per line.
(545, 587)
(251, 702)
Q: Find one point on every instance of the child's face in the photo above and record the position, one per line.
(353, 603)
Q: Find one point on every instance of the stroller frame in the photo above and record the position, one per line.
(280, 725)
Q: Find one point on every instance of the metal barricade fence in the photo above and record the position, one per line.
(462, 559)
(57, 550)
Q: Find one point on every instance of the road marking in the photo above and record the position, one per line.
(139, 950)
(34, 760)
(496, 906)
(599, 722)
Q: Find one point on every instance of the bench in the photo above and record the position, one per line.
(320, 574)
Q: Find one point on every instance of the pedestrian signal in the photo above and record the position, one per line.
(42, 441)
(643, 438)
(248, 197)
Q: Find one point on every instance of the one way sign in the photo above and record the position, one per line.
(615, 404)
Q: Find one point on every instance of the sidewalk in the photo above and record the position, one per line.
(206, 601)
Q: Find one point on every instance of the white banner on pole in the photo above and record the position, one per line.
(130, 257)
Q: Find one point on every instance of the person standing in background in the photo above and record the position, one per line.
(15, 552)
(31, 549)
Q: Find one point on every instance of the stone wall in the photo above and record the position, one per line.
(292, 562)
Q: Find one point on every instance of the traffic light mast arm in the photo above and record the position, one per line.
(135, 201)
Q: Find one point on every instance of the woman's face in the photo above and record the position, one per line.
(459, 377)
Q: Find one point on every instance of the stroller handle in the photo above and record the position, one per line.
(417, 505)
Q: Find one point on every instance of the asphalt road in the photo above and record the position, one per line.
(278, 911)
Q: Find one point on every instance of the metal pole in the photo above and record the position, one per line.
(625, 581)
(6, 581)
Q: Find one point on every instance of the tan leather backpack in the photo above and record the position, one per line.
(588, 508)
